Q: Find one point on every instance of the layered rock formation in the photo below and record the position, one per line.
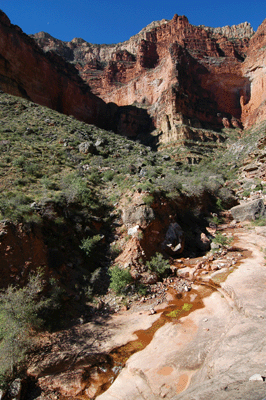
(182, 74)
(254, 68)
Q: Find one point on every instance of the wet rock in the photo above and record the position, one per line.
(184, 272)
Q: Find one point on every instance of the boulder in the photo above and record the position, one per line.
(138, 214)
(202, 241)
(133, 231)
(149, 278)
(87, 147)
(256, 377)
(249, 211)
(14, 391)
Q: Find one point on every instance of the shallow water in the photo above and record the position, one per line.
(181, 305)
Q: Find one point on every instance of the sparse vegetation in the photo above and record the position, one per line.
(20, 310)
(158, 264)
(222, 239)
(119, 279)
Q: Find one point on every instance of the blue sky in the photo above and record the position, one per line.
(113, 21)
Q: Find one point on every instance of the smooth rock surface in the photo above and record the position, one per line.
(211, 353)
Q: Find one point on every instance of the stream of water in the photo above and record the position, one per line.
(100, 378)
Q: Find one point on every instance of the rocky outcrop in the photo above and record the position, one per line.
(241, 31)
(172, 74)
(155, 224)
(249, 211)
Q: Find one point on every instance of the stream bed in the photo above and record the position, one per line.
(101, 377)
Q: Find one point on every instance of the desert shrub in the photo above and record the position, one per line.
(148, 199)
(19, 161)
(15, 206)
(119, 279)
(115, 250)
(219, 204)
(47, 183)
(19, 314)
(75, 189)
(89, 244)
(108, 175)
(222, 239)
(158, 264)
(142, 289)
(32, 169)
(246, 193)
(215, 220)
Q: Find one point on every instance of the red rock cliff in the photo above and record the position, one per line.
(177, 71)
(254, 68)
(25, 70)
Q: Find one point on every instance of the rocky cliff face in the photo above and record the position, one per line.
(46, 79)
(254, 68)
(182, 74)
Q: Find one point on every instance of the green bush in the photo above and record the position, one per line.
(89, 244)
(75, 189)
(148, 199)
(19, 314)
(15, 206)
(120, 278)
(158, 264)
(222, 240)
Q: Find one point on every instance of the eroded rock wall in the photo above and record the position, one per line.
(46, 79)
(254, 68)
(180, 73)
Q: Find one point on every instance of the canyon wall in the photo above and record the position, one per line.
(180, 73)
(254, 68)
(46, 79)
